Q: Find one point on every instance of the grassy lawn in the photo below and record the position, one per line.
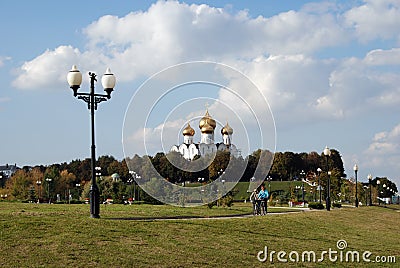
(275, 186)
(43, 235)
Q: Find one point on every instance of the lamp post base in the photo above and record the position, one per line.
(328, 204)
(94, 201)
(356, 202)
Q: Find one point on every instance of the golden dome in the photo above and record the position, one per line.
(227, 130)
(188, 130)
(207, 128)
(207, 119)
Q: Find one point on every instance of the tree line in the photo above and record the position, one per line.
(66, 179)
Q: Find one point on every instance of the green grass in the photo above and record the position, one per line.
(42, 235)
(283, 186)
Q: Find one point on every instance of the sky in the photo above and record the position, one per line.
(329, 70)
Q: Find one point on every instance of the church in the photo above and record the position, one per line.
(188, 149)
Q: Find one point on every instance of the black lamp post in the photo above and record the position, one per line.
(327, 153)
(130, 181)
(269, 184)
(302, 184)
(92, 99)
(39, 184)
(370, 189)
(366, 194)
(355, 168)
(78, 186)
(319, 170)
(378, 182)
(136, 176)
(48, 188)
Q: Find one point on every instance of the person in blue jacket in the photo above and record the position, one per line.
(263, 196)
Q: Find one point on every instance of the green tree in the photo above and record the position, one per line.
(51, 182)
(385, 188)
(19, 185)
(219, 164)
(104, 162)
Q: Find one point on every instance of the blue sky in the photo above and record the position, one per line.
(330, 72)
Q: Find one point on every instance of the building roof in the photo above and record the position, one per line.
(8, 167)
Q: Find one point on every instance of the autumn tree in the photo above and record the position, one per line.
(19, 185)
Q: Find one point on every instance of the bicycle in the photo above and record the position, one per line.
(259, 207)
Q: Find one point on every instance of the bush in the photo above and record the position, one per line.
(227, 201)
(75, 201)
(315, 205)
(337, 205)
(211, 204)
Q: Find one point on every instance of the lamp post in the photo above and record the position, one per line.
(384, 191)
(319, 170)
(370, 189)
(78, 185)
(355, 168)
(378, 182)
(302, 184)
(366, 194)
(98, 171)
(130, 181)
(135, 176)
(92, 99)
(39, 184)
(327, 153)
(297, 189)
(269, 184)
(134, 183)
(48, 188)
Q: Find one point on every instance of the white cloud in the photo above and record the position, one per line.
(382, 154)
(385, 145)
(375, 19)
(383, 57)
(144, 42)
(44, 71)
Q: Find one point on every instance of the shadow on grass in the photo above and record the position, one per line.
(389, 207)
(188, 217)
(194, 217)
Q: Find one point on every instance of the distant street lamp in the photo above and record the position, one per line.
(136, 176)
(378, 182)
(370, 189)
(269, 184)
(78, 185)
(48, 188)
(39, 184)
(302, 174)
(327, 153)
(366, 194)
(221, 172)
(92, 99)
(98, 171)
(319, 170)
(355, 168)
(130, 181)
(297, 189)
